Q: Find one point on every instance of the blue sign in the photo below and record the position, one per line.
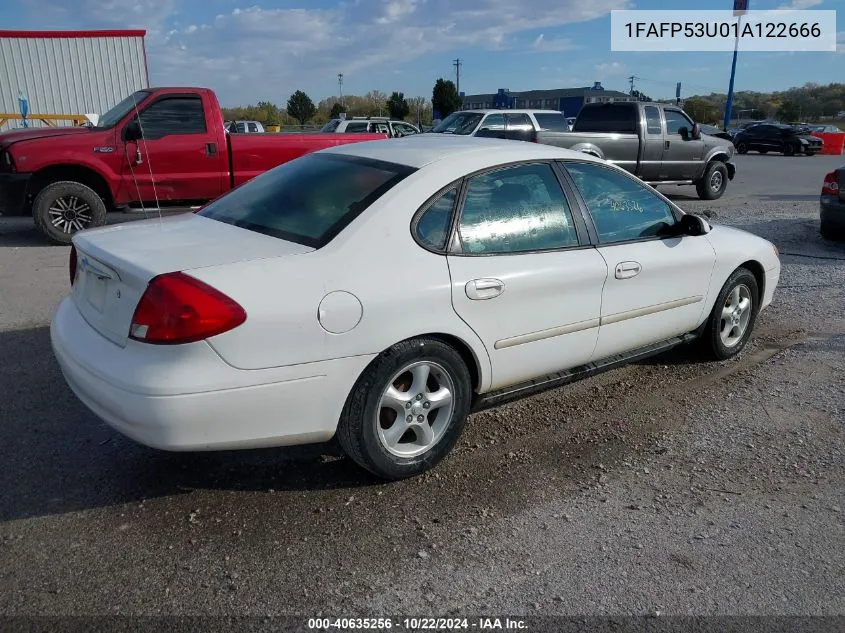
(23, 103)
(740, 7)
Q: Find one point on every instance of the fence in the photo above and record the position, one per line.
(46, 120)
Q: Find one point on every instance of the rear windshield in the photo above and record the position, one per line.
(463, 123)
(308, 200)
(552, 122)
(331, 126)
(607, 118)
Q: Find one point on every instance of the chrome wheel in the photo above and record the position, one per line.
(736, 314)
(70, 214)
(415, 409)
(716, 180)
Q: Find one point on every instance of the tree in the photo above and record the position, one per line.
(700, 109)
(445, 98)
(336, 110)
(376, 102)
(789, 111)
(397, 106)
(300, 107)
(418, 107)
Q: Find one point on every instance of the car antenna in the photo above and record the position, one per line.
(149, 163)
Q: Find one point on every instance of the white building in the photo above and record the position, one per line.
(69, 72)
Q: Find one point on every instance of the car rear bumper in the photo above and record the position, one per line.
(13, 193)
(199, 403)
(832, 212)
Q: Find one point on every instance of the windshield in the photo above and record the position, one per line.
(113, 116)
(331, 126)
(459, 123)
(308, 200)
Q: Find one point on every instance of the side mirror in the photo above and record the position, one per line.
(694, 225)
(696, 132)
(132, 131)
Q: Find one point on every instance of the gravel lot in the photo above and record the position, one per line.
(670, 485)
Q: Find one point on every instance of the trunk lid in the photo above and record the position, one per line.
(115, 263)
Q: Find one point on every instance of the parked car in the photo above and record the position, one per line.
(825, 129)
(244, 127)
(282, 312)
(659, 143)
(370, 125)
(161, 147)
(519, 125)
(712, 130)
(832, 205)
(775, 137)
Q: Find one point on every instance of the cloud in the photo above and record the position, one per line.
(610, 69)
(257, 52)
(542, 44)
(800, 4)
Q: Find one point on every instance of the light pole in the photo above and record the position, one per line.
(340, 87)
(740, 9)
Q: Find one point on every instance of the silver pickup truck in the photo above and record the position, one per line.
(658, 143)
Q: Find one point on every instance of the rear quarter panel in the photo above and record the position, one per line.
(404, 290)
(617, 148)
(253, 154)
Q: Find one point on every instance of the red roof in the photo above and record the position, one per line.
(74, 34)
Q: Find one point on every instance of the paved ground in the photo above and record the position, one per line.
(671, 485)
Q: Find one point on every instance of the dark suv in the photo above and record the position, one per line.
(773, 137)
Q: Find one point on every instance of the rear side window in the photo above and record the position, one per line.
(617, 117)
(433, 226)
(308, 200)
(357, 128)
(331, 126)
(551, 122)
(519, 121)
(652, 120)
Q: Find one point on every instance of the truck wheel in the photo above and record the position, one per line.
(713, 183)
(742, 147)
(65, 207)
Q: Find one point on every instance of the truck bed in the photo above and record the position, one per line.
(618, 148)
(253, 154)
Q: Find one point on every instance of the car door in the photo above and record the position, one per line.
(523, 275)
(179, 156)
(656, 279)
(682, 155)
(651, 163)
(518, 126)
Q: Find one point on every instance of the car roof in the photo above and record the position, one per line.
(513, 111)
(420, 150)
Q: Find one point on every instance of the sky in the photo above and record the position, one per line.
(254, 50)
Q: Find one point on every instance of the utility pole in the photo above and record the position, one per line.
(340, 87)
(631, 79)
(457, 64)
(740, 9)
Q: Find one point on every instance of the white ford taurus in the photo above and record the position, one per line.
(382, 290)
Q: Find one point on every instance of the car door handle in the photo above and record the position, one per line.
(666, 144)
(479, 289)
(211, 149)
(626, 270)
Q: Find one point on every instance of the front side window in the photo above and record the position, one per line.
(174, 115)
(308, 200)
(622, 208)
(516, 209)
(675, 120)
(433, 226)
(494, 122)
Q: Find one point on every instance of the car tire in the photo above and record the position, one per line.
(712, 185)
(829, 233)
(64, 208)
(742, 147)
(789, 150)
(764, 151)
(729, 326)
(810, 153)
(416, 370)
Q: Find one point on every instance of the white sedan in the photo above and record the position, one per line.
(380, 291)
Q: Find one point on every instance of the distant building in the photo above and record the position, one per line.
(70, 72)
(566, 100)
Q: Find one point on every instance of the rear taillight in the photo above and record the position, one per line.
(177, 308)
(830, 187)
(72, 264)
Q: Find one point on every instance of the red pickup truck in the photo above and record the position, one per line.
(158, 148)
